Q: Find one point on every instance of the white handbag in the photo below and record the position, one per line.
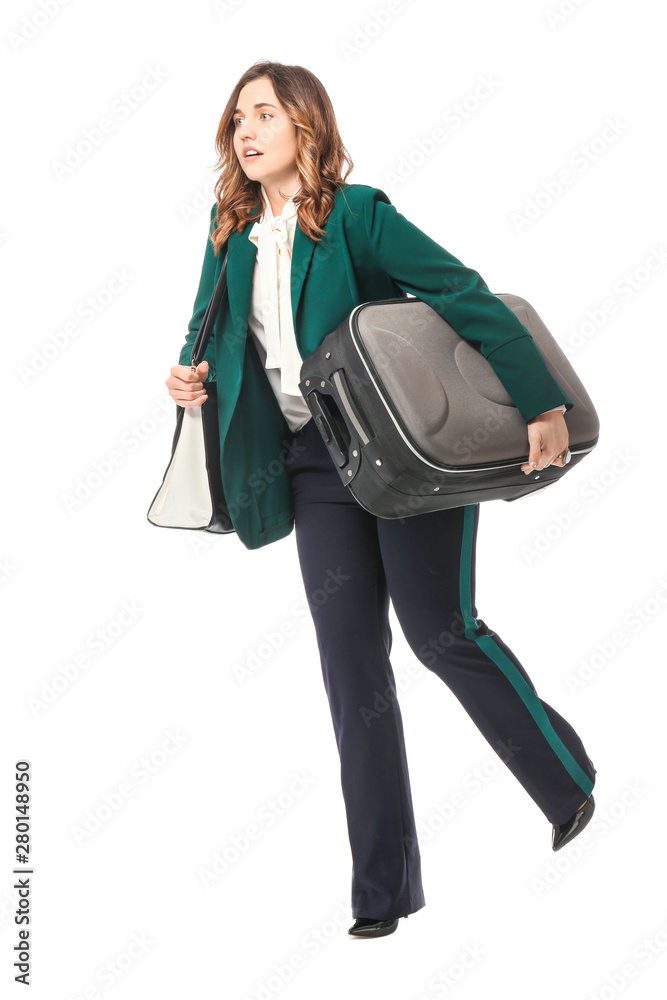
(191, 493)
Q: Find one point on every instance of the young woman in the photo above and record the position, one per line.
(304, 248)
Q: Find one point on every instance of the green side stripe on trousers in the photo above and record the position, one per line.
(488, 645)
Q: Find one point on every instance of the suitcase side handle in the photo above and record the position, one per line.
(338, 420)
(328, 428)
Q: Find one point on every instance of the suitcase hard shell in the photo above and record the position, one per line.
(414, 417)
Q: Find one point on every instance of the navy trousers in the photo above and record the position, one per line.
(352, 564)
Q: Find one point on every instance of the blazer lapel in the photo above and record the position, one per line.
(240, 270)
(240, 267)
(302, 251)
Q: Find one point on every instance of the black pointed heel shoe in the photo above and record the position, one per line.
(563, 833)
(365, 927)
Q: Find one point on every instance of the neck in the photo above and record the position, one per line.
(276, 200)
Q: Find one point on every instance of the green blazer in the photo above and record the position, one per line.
(369, 251)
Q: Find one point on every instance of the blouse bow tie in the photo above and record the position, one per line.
(269, 235)
(279, 228)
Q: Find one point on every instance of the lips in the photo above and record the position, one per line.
(247, 155)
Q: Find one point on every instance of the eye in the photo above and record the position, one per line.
(237, 120)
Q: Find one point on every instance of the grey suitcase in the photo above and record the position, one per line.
(414, 417)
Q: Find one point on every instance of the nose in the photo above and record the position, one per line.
(245, 132)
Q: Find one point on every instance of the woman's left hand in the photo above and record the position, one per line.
(548, 438)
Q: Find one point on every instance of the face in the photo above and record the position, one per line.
(267, 129)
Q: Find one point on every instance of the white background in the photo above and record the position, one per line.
(580, 923)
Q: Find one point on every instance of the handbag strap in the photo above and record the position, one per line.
(206, 327)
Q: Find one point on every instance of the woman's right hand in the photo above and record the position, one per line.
(186, 386)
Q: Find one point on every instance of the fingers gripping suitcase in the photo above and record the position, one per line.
(414, 417)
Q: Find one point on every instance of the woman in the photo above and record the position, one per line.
(304, 247)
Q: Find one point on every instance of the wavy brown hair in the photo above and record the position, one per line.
(320, 153)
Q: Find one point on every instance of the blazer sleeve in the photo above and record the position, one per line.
(204, 293)
(421, 267)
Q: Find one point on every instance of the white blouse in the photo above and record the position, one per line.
(270, 317)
